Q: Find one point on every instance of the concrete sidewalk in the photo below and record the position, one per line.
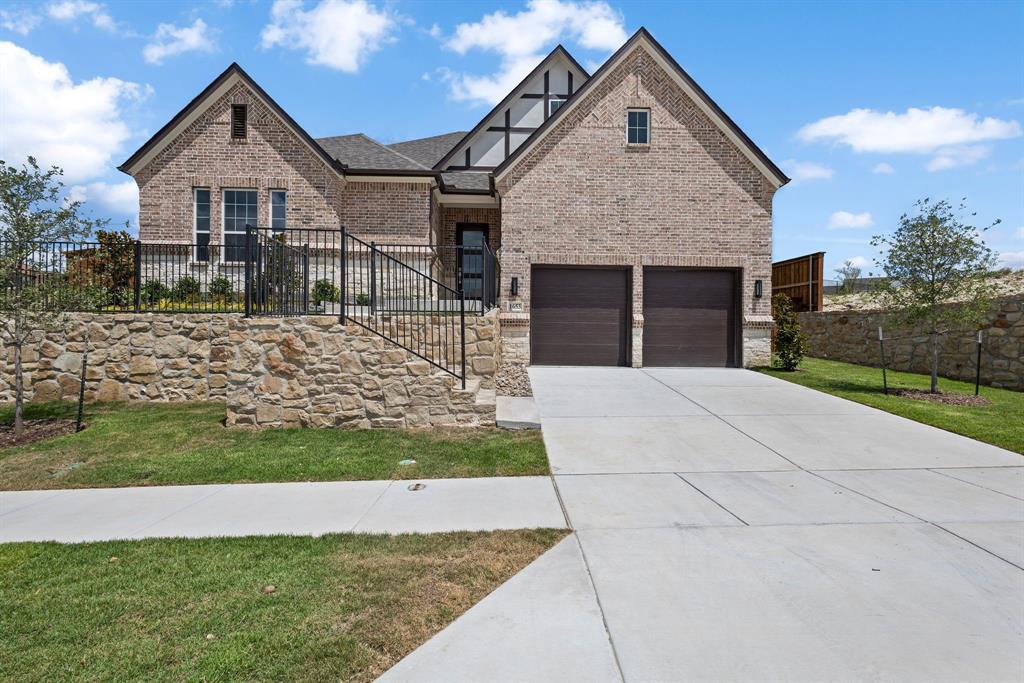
(307, 508)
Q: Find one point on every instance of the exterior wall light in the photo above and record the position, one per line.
(758, 289)
(515, 286)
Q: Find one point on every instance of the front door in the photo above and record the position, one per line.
(471, 237)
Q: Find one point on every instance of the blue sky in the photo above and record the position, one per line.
(868, 106)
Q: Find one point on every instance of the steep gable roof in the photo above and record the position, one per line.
(220, 85)
(558, 51)
(696, 93)
(428, 151)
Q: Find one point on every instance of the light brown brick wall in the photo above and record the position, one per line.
(690, 198)
(271, 157)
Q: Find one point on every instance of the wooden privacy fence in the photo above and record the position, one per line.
(801, 279)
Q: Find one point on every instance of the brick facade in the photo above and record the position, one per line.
(689, 198)
(271, 157)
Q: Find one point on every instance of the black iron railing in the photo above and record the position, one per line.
(416, 296)
(385, 293)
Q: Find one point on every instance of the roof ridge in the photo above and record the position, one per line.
(394, 151)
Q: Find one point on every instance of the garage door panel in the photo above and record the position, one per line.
(689, 317)
(579, 316)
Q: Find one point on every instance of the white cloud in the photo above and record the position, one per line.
(883, 169)
(1011, 259)
(18, 20)
(917, 131)
(806, 170)
(77, 126)
(964, 155)
(170, 41)
(1019, 234)
(520, 40)
(858, 261)
(115, 198)
(340, 34)
(845, 219)
(69, 10)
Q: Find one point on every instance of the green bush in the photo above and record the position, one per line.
(221, 288)
(324, 290)
(362, 299)
(153, 291)
(186, 288)
(789, 341)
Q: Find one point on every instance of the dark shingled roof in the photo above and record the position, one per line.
(428, 151)
(360, 151)
(467, 180)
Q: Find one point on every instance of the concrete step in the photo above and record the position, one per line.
(517, 412)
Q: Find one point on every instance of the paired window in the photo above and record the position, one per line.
(638, 126)
(239, 211)
(278, 209)
(239, 123)
(201, 212)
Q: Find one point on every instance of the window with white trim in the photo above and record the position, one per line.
(278, 207)
(239, 211)
(638, 126)
(553, 105)
(201, 223)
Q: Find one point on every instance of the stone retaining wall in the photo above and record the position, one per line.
(307, 371)
(852, 336)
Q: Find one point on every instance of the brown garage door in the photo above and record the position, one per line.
(690, 317)
(579, 316)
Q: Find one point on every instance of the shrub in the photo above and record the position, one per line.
(324, 290)
(186, 289)
(362, 299)
(153, 291)
(221, 288)
(789, 342)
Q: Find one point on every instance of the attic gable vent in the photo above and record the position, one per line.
(238, 121)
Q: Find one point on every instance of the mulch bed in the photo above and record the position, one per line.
(35, 430)
(947, 399)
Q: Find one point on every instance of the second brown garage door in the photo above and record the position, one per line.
(579, 316)
(690, 317)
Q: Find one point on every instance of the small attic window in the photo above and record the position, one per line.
(238, 121)
(638, 126)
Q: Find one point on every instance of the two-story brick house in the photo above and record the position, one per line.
(630, 215)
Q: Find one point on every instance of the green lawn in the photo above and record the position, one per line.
(186, 443)
(346, 607)
(1000, 424)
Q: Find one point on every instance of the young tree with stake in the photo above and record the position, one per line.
(33, 295)
(932, 259)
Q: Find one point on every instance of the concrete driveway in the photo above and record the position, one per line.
(731, 526)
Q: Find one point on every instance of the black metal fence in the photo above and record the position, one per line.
(416, 296)
(384, 292)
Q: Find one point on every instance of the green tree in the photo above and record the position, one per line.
(34, 294)
(935, 257)
(789, 341)
(847, 274)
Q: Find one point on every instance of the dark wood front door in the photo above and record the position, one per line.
(690, 317)
(471, 237)
(579, 316)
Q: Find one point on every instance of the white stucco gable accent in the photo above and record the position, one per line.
(518, 115)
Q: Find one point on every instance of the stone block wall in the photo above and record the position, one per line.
(310, 374)
(306, 371)
(852, 336)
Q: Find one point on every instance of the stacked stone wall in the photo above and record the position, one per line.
(305, 371)
(852, 336)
